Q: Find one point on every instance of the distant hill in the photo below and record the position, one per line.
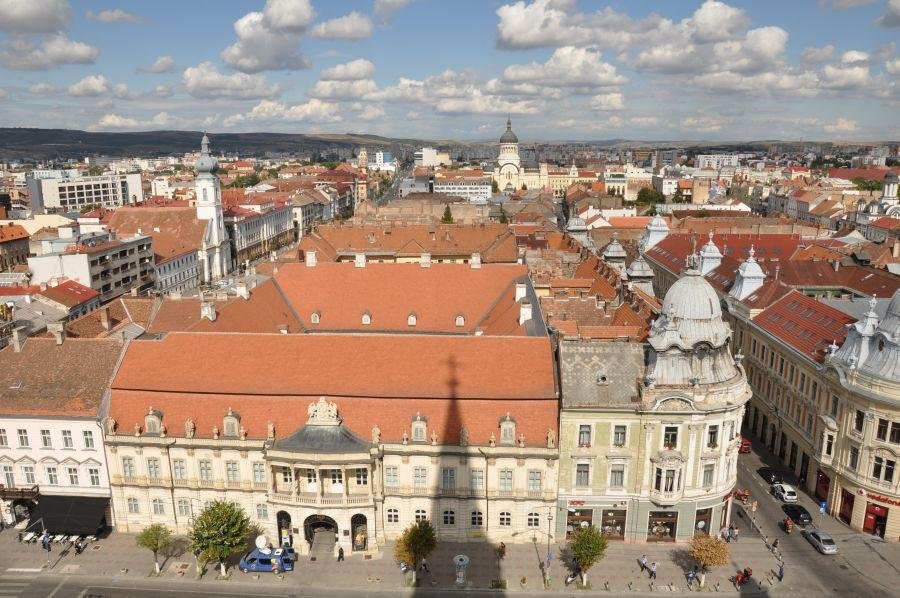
(43, 144)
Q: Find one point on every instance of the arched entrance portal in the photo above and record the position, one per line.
(21, 509)
(285, 537)
(321, 534)
(360, 531)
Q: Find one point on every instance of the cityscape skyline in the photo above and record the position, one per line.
(563, 70)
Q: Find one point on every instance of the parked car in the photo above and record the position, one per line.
(784, 492)
(746, 446)
(823, 542)
(770, 475)
(798, 514)
(263, 559)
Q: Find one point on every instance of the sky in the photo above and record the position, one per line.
(454, 69)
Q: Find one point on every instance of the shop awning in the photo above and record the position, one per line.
(70, 515)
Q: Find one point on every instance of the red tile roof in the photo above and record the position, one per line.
(70, 293)
(887, 223)
(12, 232)
(180, 231)
(805, 324)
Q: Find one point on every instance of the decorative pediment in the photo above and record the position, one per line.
(674, 404)
(323, 413)
(668, 459)
(829, 422)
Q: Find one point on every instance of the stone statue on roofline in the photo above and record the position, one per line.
(270, 431)
(551, 438)
(111, 426)
(189, 428)
(376, 434)
(463, 436)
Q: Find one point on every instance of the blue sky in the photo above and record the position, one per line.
(564, 69)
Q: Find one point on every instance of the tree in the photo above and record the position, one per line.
(448, 215)
(864, 184)
(649, 195)
(495, 188)
(95, 171)
(678, 197)
(504, 217)
(220, 530)
(155, 538)
(588, 546)
(415, 543)
(708, 551)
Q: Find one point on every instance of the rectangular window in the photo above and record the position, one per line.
(420, 477)
(889, 465)
(133, 506)
(829, 444)
(153, 469)
(506, 480)
(881, 431)
(94, 475)
(8, 476)
(362, 476)
(477, 479)
(448, 478)
(23, 438)
(582, 475)
(3, 440)
(670, 437)
(853, 458)
(877, 467)
(45, 439)
(259, 473)
(859, 422)
(619, 435)
(391, 476)
(262, 512)
(128, 467)
(28, 473)
(310, 476)
(617, 476)
(584, 435)
(337, 476)
(88, 439)
(232, 473)
(709, 472)
(67, 439)
(206, 471)
(184, 507)
(179, 469)
(158, 507)
(712, 437)
(534, 480)
(52, 478)
(895, 433)
(834, 406)
(287, 475)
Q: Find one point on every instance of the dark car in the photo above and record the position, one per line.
(798, 514)
(770, 475)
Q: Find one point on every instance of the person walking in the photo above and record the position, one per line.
(691, 576)
(340, 554)
(424, 566)
(781, 571)
(734, 533)
(643, 562)
(653, 570)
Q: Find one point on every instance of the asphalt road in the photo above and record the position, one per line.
(836, 575)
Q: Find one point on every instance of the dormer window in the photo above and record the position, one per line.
(366, 319)
(231, 424)
(419, 428)
(314, 318)
(152, 421)
(602, 378)
(460, 321)
(507, 430)
(411, 320)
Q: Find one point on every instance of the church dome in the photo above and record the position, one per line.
(508, 136)
(691, 314)
(205, 164)
(883, 359)
(692, 297)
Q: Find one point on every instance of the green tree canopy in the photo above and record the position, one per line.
(495, 188)
(504, 217)
(588, 546)
(415, 543)
(220, 530)
(155, 538)
(95, 171)
(678, 196)
(448, 215)
(649, 195)
(864, 184)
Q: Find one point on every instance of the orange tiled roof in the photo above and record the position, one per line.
(12, 232)
(180, 231)
(805, 324)
(70, 293)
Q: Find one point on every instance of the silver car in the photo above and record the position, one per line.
(784, 492)
(821, 540)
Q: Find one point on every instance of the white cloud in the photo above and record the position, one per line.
(370, 112)
(836, 76)
(121, 92)
(314, 110)
(567, 67)
(116, 15)
(205, 81)
(842, 125)
(608, 101)
(817, 55)
(891, 17)
(349, 71)
(42, 88)
(54, 50)
(116, 121)
(163, 64)
(385, 9)
(162, 91)
(893, 66)
(644, 121)
(351, 26)
(716, 22)
(90, 86)
(702, 124)
(345, 90)
(34, 16)
(477, 103)
(270, 40)
(854, 57)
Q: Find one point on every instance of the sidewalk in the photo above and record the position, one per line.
(119, 557)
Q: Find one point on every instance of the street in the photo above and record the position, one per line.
(865, 566)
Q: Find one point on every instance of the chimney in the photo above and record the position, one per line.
(283, 328)
(139, 231)
(208, 310)
(524, 311)
(58, 330)
(837, 265)
(520, 290)
(310, 258)
(18, 338)
(895, 252)
(156, 229)
(104, 319)
(476, 261)
(241, 290)
(425, 260)
(359, 260)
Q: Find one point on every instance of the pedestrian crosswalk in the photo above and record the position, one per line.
(12, 588)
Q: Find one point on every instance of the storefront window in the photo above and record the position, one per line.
(662, 526)
(577, 518)
(703, 521)
(613, 526)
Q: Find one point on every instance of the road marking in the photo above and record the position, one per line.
(19, 570)
(56, 589)
(180, 591)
